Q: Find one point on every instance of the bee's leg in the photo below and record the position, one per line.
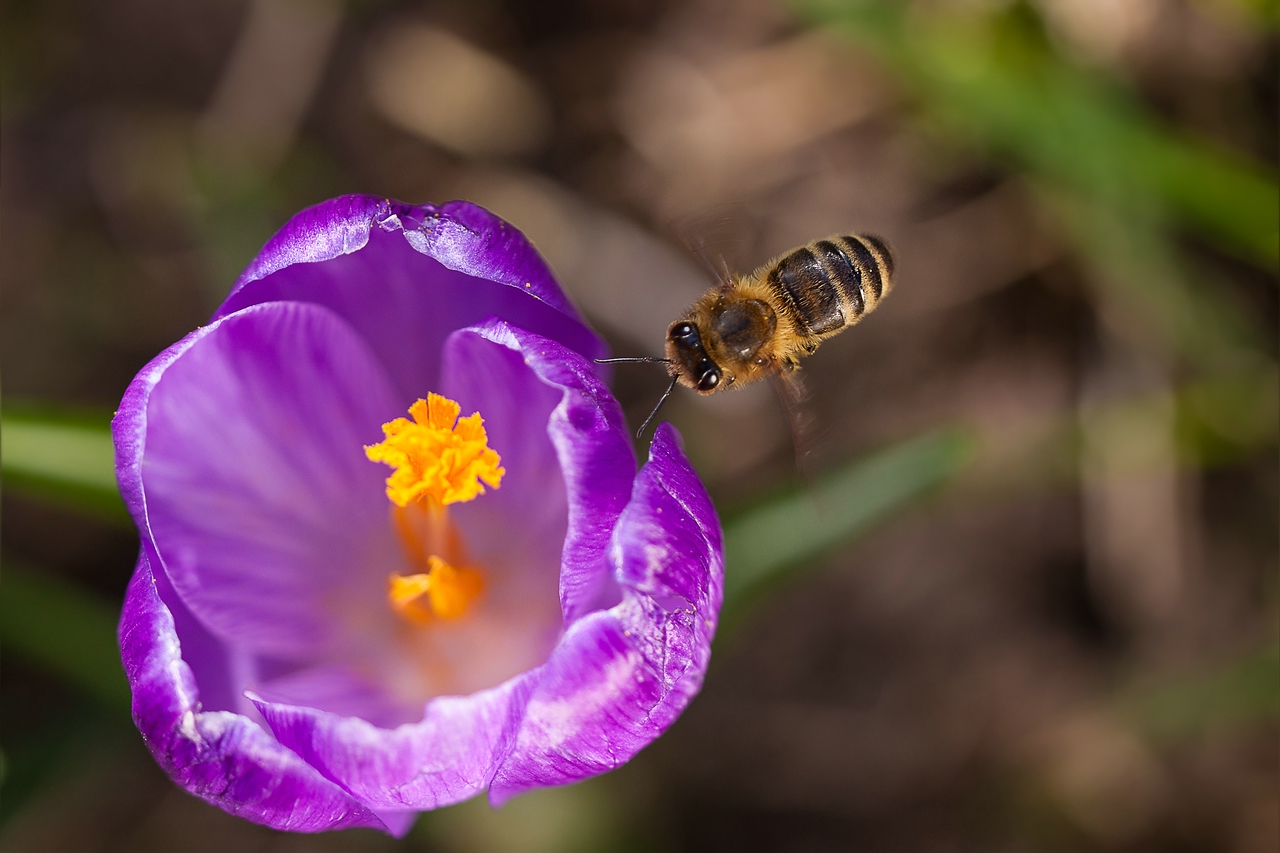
(665, 394)
(804, 427)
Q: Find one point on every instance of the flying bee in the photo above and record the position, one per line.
(762, 324)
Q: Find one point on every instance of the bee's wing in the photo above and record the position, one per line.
(805, 426)
(715, 237)
(711, 260)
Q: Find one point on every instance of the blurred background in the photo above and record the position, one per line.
(1020, 595)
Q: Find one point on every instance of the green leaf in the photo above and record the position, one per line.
(770, 544)
(1244, 691)
(67, 459)
(64, 629)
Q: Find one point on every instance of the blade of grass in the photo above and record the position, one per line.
(993, 79)
(775, 542)
(64, 629)
(69, 460)
(1241, 692)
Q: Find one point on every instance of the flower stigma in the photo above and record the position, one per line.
(438, 459)
(448, 591)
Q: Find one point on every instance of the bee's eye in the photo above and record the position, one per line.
(708, 380)
(684, 332)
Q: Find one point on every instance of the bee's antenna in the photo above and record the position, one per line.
(654, 413)
(645, 359)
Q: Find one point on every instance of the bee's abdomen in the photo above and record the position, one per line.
(802, 283)
(831, 283)
(863, 266)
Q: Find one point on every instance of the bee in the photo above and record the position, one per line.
(761, 325)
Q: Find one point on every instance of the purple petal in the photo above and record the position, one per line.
(461, 235)
(594, 449)
(337, 688)
(516, 405)
(524, 385)
(446, 758)
(669, 543)
(402, 274)
(207, 655)
(265, 513)
(620, 677)
(398, 823)
(221, 757)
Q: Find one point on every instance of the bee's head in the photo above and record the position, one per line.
(694, 367)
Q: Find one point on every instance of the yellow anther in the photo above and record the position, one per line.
(434, 459)
(444, 592)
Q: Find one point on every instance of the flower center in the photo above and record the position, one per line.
(438, 460)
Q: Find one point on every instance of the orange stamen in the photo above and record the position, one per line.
(438, 460)
(433, 458)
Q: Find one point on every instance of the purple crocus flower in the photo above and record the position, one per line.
(313, 644)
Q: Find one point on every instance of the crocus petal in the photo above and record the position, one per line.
(403, 274)
(620, 677)
(242, 507)
(445, 758)
(594, 448)
(494, 380)
(398, 823)
(222, 757)
(453, 753)
(668, 543)
(459, 234)
(337, 688)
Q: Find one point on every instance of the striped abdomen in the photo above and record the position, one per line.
(831, 283)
